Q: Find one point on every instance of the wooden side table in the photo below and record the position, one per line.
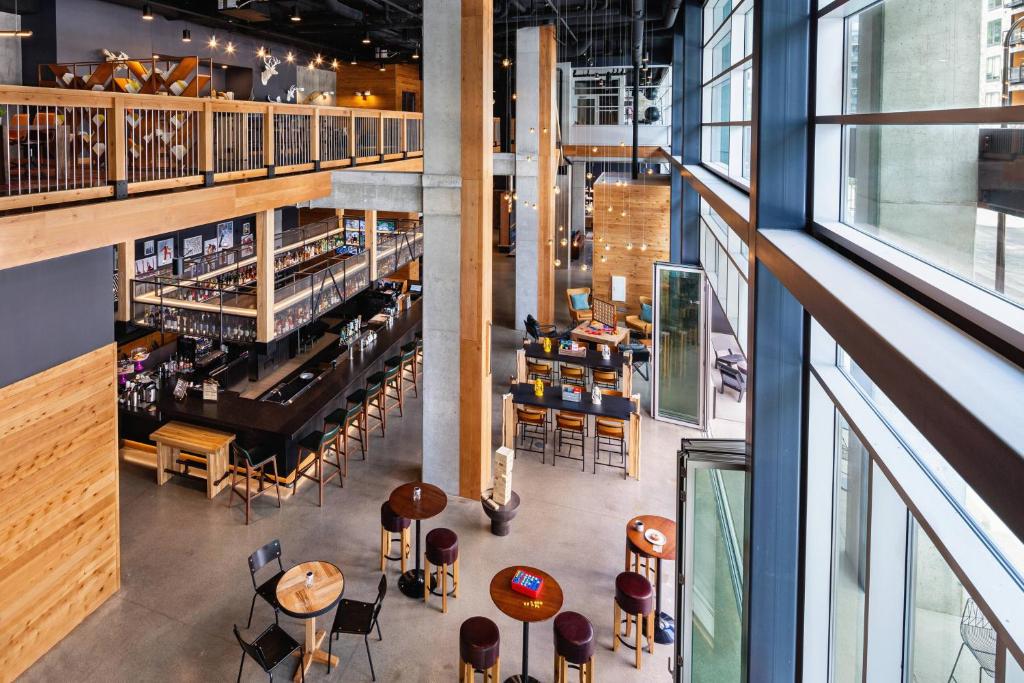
(175, 437)
(309, 602)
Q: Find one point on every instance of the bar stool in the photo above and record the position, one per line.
(321, 444)
(606, 379)
(442, 552)
(393, 382)
(255, 461)
(574, 647)
(569, 425)
(635, 597)
(541, 370)
(479, 642)
(354, 415)
(419, 352)
(533, 425)
(572, 374)
(640, 562)
(375, 400)
(391, 523)
(409, 369)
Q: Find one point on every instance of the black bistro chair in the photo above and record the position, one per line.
(538, 331)
(359, 618)
(270, 648)
(268, 589)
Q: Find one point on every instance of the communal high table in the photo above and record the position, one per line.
(588, 358)
(617, 407)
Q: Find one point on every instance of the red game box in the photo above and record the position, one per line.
(527, 584)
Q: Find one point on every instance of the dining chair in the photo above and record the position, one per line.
(268, 589)
(531, 425)
(269, 649)
(569, 430)
(359, 618)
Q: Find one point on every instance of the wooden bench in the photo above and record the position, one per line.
(175, 437)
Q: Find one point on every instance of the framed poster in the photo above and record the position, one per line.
(247, 233)
(147, 248)
(226, 234)
(210, 247)
(164, 251)
(145, 266)
(192, 246)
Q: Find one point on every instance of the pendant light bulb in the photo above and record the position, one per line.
(558, 263)
(186, 36)
(147, 13)
(296, 17)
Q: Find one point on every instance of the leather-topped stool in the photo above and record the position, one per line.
(479, 643)
(375, 402)
(634, 596)
(321, 445)
(353, 415)
(574, 647)
(393, 391)
(410, 373)
(442, 552)
(391, 523)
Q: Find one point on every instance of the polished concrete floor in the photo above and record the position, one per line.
(184, 578)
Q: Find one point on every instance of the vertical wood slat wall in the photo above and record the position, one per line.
(59, 503)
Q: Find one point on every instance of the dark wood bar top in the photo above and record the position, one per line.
(592, 359)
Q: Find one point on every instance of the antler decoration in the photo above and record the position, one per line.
(269, 68)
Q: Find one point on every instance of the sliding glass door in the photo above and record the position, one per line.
(679, 362)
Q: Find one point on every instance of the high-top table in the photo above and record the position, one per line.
(309, 602)
(431, 503)
(526, 609)
(664, 625)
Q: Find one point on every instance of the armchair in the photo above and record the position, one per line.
(578, 313)
(644, 322)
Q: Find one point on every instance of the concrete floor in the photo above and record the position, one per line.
(185, 580)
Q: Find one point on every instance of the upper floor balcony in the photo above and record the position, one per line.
(74, 145)
(601, 110)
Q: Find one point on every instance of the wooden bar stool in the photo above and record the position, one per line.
(479, 643)
(354, 415)
(442, 552)
(541, 370)
(606, 379)
(410, 373)
(375, 403)
(255, 461)
(419, 353)
(321, 445)
(634, 596)
(640, 562)
(532, 425)
(569, 429)
(393, 384)
(391, 523)
(573, 374)
(610, 432)
(574, 647)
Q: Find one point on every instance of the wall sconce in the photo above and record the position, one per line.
(364, 94)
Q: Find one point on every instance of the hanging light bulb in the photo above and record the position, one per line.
(561, 228)
(607, 247)
(623, 213)
(532, 129)
(318, 60)
(289, 58)
(230, 48)
(600, 239)
(506, 62)
(593, 149)
(513, 96)
(353, 61)
(296, 17)
(186, 36)
(650, 171)
(416, 52)
(334, 64)
(583, 267)
(609, 208)
(590, 176)
(603, 258)
(564, 242)
(534, 206)
(544, 129)
(147, 13)
(643, 246)
(515, 195)
(629, 246)
(558, 263)
(366, 38)
(558, 190)
(212, 42)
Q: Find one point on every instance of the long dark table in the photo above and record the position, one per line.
(617, 407)
(592, 359)
(278, 426)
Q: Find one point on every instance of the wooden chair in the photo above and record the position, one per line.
(569, 425)
(609, 432)
(254, 464)
(636, 322)
(531, 424)
(572, 374)
(606, 379)
(321, 445)
(541, 370)
(578, 315)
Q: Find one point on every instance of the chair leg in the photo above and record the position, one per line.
(616, 625)
(376, 622)
(240, 665)
(231, 488)
(955, 662)
(564, 673)
(426, 577)
(251, 608)
(497, 669)
(330, 644)
(455, 577)
(277, 482)
(590, 669)
(558, 669)
(366, 642)
(406, 547)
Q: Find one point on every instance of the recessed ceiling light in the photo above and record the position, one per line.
(147, 13)
(353, 61)
(295, 13)
(366, 38)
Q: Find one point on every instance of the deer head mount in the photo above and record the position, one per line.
(291, 93)
(269, 68)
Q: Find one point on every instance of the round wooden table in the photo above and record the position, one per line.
(431, 503)
(664, 625)
(308, 603)
(524, 608)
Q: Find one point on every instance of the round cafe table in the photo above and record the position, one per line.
(307, 603)
(431, 503)
(524, 608)
(664, 625)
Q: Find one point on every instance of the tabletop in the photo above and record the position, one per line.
(617, 407)
(591, 359)
(522, 607)
(192, 438)
(300, 602)
(432, 501)
(585, 332)
(662, 524)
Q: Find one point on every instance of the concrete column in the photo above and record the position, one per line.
(457, 190)
(535, 173)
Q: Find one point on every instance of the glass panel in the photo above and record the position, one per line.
(678, 353)
(907, 55)
(716, 596)
(927, 190)
(849, 555)
(1014, 670)
(948, 635)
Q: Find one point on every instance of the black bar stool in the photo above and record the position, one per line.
(255, 461)
(419, 352)
(393, 384)
(321, 444)
(354, 415)
(375, 403)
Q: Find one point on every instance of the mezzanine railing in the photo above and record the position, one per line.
(65, 146)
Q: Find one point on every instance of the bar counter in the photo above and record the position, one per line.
(274, 425)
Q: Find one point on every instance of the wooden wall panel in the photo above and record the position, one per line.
(408, 79)
(385, 87)
(58, 503)
(646, 202)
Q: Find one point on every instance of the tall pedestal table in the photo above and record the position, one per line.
(431, 503)
(526, 609)
(664, 625)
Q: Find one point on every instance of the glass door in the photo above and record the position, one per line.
(679, 331)
(713, 474)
